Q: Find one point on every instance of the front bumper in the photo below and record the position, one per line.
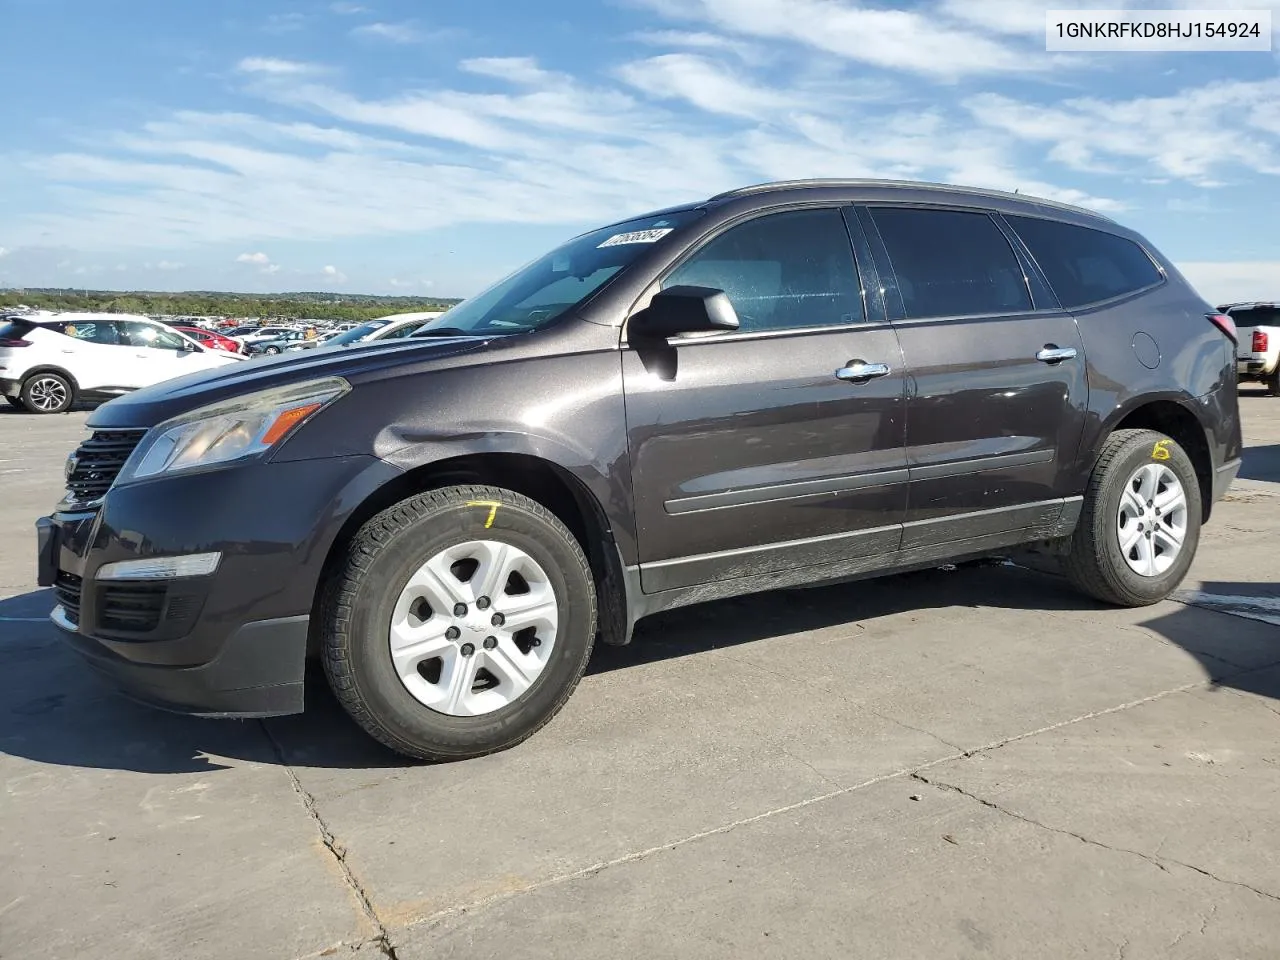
(10, 388)
(232, 643)
(258, 672)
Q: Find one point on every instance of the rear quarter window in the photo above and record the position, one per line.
(1084, 265)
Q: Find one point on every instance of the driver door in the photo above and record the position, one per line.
(758, 451)
(152, 353)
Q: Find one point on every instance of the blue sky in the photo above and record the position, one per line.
(388, 146)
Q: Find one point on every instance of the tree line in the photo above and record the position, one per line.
(283, 306)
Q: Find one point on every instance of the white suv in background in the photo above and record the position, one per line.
(49, 361)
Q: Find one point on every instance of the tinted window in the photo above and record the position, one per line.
(781, 271)
(949, 263)
(1084, 265)
(91, 331)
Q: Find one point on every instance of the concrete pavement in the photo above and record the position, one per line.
(975, 763)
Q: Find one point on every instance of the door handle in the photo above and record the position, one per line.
(1052, 354)
(859, 371)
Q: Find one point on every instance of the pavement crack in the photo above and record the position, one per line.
(339, 853)
(1157, 862)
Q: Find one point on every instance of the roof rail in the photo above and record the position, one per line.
(780, 185)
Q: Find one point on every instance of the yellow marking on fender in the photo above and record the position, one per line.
(493, 506)
(1161, 450)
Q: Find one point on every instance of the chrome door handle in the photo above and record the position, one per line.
(859, 371)
(1052, 354)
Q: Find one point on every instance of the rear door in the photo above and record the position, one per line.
(87, 349)
(997, 389)
(762, 450)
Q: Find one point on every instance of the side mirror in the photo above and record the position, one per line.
(679, 310)
(189, 347)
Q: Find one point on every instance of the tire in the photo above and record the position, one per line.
(1096, 562)
(370, 587)
(1273, 382)
(47, 392)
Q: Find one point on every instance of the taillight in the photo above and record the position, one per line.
(1226, 325)
(15, 343)
(1259, 341)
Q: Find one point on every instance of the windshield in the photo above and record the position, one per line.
(1256, 316)
(356, 333)
(537, 294)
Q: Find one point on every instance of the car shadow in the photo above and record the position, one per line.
(55, 711)
(1261, 463)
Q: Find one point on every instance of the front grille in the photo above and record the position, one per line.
(97, 462)
(66, 588)
(132, 607)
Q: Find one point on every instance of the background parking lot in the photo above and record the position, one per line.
(956, 763)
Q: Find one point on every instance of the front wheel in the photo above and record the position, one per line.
(1140, 524)
(47, 392)
(459, 622)
(271, 351)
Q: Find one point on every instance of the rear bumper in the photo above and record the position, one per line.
(257, 673)
(1251, 368)
(10, 387)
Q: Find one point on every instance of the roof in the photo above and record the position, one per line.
(781, 186)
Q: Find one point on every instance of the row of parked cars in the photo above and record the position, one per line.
(48, 361)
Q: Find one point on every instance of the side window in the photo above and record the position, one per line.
(950, 263)
(404, 331)
(136, 334)
(1084, 265)
(91, 332)
(781, 271)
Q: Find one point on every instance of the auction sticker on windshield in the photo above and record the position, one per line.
(636, 236)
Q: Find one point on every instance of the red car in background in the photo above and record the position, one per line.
(214, 341)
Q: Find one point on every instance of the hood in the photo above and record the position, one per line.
(154, 404)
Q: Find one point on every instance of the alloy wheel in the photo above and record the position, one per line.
(47, 393)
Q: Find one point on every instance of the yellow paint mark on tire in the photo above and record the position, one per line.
(493, 506)
(1161, 450)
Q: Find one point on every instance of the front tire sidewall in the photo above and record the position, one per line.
(408, 725)
(1131, 586)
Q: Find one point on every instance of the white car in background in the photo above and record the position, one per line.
(384, 328)
(260, 334)
(49, 361)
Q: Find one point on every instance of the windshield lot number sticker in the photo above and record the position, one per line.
(636, 236)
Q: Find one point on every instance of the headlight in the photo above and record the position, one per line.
(232, 430)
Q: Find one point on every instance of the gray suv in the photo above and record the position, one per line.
(784, 385)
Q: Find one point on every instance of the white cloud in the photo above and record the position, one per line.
(521, 70)
(261, 259)
(4, 252)
(346, 9)
(391, 32)
(697, 40)
(1188, 136)
(273, 66)
(333, 275)
(1225, 282)
(915, 41)
(272, 268)
(168, 265)
(705, 84)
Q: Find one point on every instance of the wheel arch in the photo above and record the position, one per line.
(540, 479)
(1173, 417)
(52, 368)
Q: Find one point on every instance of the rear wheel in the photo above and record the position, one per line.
(1140, 524)
(459, 623)
(47, 392)
(1273, 382)
(271, 351)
